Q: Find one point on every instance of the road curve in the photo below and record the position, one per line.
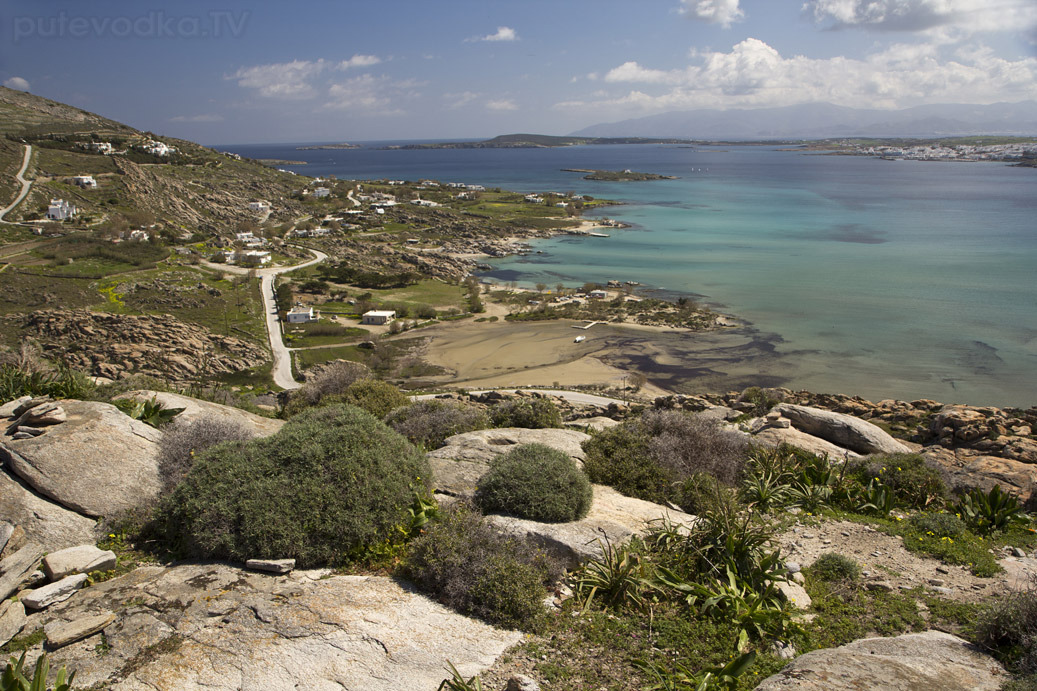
(282, 369)
(26, 184)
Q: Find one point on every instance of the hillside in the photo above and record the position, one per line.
(538, 141)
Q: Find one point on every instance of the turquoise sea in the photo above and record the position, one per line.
(886, 279)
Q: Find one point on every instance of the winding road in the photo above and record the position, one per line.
(26, 184)
(282, 369)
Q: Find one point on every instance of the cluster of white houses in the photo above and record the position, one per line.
(301, 314)
(60, 210)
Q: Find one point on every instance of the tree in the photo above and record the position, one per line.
(541, 287)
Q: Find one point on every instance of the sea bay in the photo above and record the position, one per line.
(854, 275)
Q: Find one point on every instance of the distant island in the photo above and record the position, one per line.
(617, 175)
(274, 162)
(537, 141)
(318, 147)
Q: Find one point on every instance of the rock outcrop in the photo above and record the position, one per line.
(98, 462)
(930, 660)
(846, 431)
(195, 409)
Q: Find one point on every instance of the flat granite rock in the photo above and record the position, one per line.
(611, 515)
(220, 628)
(195, 409)
(78, 559)
(42, 521)
(775, 436)
(98, 462)
(929, 661)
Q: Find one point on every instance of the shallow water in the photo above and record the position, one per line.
(879, 278)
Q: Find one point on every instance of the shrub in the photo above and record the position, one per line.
(654, 456)
(536, 482)
(915, 482)
(986, 512)
(1008, 628)
(535, 413)
(939, 524)
(430, 423)
(332, 481)
(832, 566)
(468, 565)
(376, 397)
(183, 441)
(334, 379)
(16, 382)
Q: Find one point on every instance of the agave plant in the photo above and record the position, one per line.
(618, 578)
(876, 498)
(986, 512)
(458, 683)
(150, 412)
(14, 679)
(683, 679)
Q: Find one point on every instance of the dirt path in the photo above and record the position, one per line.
(26, 184)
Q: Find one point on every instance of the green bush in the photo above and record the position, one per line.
(182, 442)
(16, 382)
(429, 423)
(938, 524)
(334, 379)
(333, 480)
(531, 413)
(536, 482)
(376, 397)
(832, 566)
(915, 482)
(1008, 628)
(621, 457)
(468, 565)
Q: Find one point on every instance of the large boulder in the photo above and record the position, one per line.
(195, 409)
(41, 521)
(219, 628)
(772, 437)
(98, 462)
(843, 430)
(612, 517)
(930, 661)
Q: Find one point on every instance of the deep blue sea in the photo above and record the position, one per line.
(887, 279)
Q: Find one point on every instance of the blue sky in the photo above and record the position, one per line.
(326, 70)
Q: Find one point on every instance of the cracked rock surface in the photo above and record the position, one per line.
(217, 627)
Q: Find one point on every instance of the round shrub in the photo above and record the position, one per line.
(621, 457)
(429, 423)
(916, 483)
(332, 480)
(531, 413)
(939, 524)
(832, 566)
(182, 442)
(331, 380)
(470, 566)
(536, 482)
(376, 397)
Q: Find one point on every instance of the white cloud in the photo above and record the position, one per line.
(722, 12)
(504, 33)
(17, 83)
(919, 15)
(753, 75)
(284, 80)
(371, 95)
(205, 117)
(460, 100)
(359, 61)
(501, 104)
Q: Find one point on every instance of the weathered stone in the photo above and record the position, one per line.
(17, 567)
(932, 660)
(520, 682)
(306, 630)
(195, 409)
(485, 444)
(7, 409)
(844, 430)
(271, 565)
(794, 593)
(612, 515)
(98, 463)
(79, 559)
(61, 633)
(42, 521)
(6, 531)
(12, 619)
(985, 472)
(775, 436)
(586, 424)
(28, 402)
(52, 593)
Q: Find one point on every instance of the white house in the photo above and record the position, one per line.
(158, 148)
(138, 235)
(378, 317)
(59, 210)
(261, 207)
(534, 199)
(252, 257)
(321, 192)
(598, 294)
(423, 202)
(301, 315)
(84, 181)
(105, 148)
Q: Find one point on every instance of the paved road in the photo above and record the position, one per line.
(26, 184)
(282, 370)
(571, 396)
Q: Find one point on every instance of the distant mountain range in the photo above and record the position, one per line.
(826, 121)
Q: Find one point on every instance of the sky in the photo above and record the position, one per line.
(340, 70)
